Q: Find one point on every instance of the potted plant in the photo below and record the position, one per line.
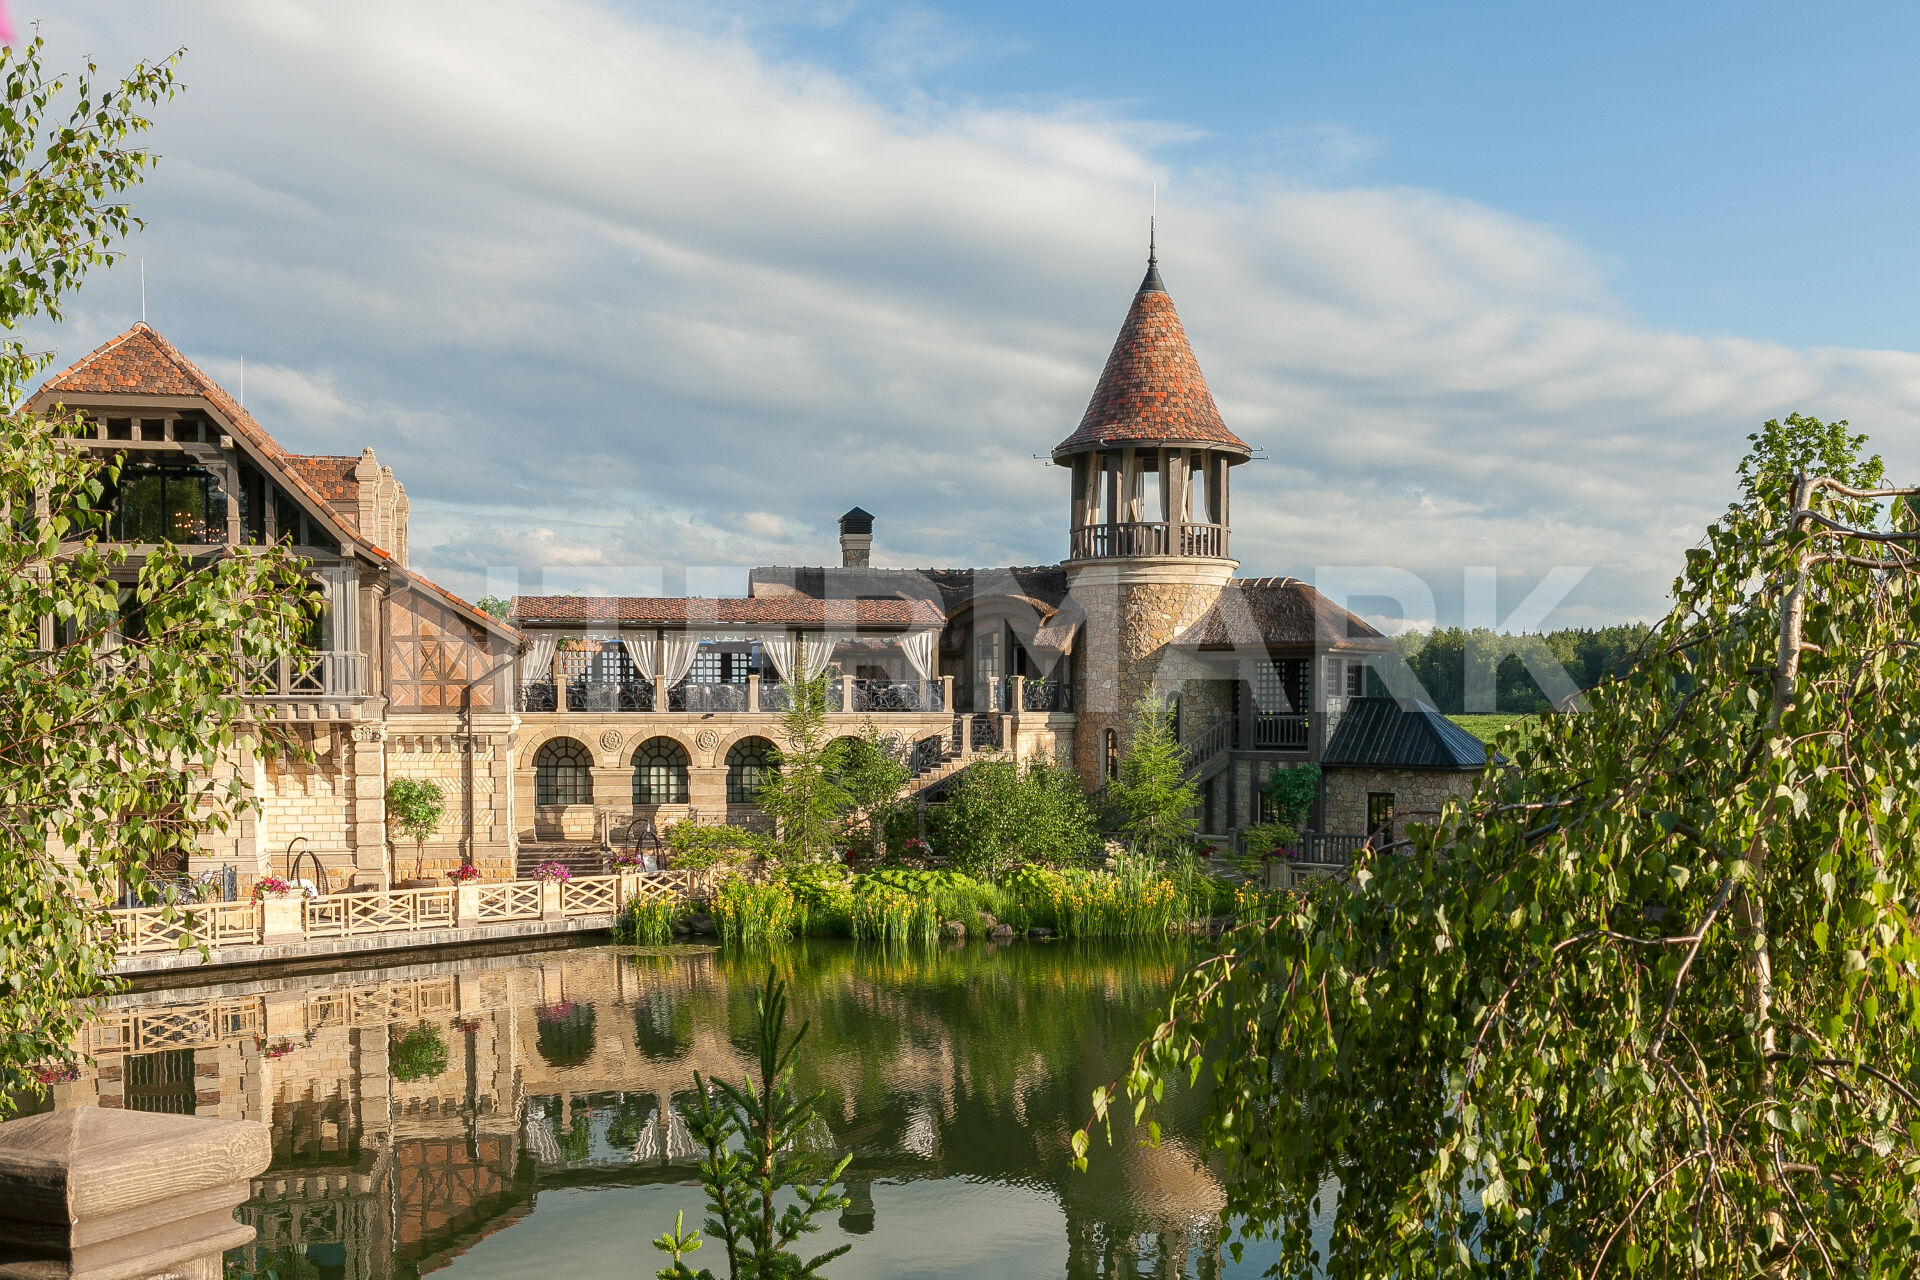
(465, 873)
(558, 872)
(415, 807)
(270, 887)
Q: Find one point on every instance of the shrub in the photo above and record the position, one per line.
(1291, 793)
(648, 923)
(1260, 842)
(1152, 797)
(822, 897)
(695, 847)
(421, 1054)
(1000, 815)
(749, 914)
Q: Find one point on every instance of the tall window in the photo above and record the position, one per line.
(562, 773)
(176, 504)
(660, 772)
(1380, 814)
(749, 765)
(1113, 754)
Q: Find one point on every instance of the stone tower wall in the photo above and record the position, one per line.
(1133, 610)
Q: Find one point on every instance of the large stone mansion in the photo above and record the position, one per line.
(578, 712)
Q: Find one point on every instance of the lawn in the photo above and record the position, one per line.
(1484, 727)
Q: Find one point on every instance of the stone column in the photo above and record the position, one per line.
(367, 820)
(124, 1194)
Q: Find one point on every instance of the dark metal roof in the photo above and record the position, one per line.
(857, 521)
(1380, 733)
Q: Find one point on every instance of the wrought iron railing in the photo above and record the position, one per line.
(1281, 732)
(898, 695)
(776, 696)
(588, 693)
(927, 754)
(687, 696)
(986, 733)
(312, 674)
(1149, 538)
(537, 696)
(1046, 695)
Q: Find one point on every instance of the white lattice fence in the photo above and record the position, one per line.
(346, 915)
(589, 895)
(514, 900)
(145, 931)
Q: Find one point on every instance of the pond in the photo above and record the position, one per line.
(501, 1115)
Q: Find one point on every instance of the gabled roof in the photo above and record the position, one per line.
(1151, 391)
(140, 362)
(695, 612)
(1255, 612)
(1380, 733)
(330, 476)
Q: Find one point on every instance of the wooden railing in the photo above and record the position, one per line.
(346, 915)
(1203, 746)
(146, 931)
(1273, 732)
(1148, 538)
(512, 900)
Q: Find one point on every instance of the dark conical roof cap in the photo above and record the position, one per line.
(1151, 391)
(857, 521)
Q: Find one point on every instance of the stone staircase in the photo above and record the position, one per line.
(581, 859)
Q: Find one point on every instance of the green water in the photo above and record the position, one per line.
(534, 1126)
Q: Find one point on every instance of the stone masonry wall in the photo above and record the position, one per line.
(1418, 795)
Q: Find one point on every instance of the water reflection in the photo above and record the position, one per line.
(420, 1115)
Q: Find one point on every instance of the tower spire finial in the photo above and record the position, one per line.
(1153, 258)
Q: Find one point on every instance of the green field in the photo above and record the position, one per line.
(1484, 727)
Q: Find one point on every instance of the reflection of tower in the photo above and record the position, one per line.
(857, 1217)
(1149, 549)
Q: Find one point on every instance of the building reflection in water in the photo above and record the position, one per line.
(416, 1110)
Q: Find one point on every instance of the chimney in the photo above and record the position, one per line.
(856, 538)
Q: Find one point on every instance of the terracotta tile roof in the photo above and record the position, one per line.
(1286, 612)
(329, 476)
(141, 362)
(1152, 390)
(1043, 587)
(478, 614)
(676, 611)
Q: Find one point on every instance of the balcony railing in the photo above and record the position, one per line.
(1281, 732)
(537, 696)
(1149, 538)
(1209, 742)
(687, 696)
(588, 694)
(1046, 695)
(309, 675)
(897, 695)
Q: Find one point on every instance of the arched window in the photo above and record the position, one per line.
(660, 772)
(563, 773)
(749, 765)
(1113, 754)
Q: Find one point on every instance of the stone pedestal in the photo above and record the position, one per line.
(550, 901)
(89, 1194)
(280, 919)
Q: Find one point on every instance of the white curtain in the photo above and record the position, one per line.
(538, 662)
(815, 652)
(781, 649)
(676, 655)
(640, 650)
(919, 646)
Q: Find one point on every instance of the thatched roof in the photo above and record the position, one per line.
(1254, 613)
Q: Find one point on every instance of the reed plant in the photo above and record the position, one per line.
(749, 914)
(649, 924)
(1134, 901)
(884, 913)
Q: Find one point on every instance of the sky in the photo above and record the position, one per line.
(633, 297)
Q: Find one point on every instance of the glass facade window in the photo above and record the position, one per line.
(177, 504)
(660, 772)
(562, 773)
(749, 766)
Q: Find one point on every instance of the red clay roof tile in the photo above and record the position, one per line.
(1152, 391)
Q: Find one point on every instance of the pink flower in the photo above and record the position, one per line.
(465, 872)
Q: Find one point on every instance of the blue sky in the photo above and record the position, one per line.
(1746, 169)
(635, 297)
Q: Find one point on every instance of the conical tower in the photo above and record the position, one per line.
(1148, 537)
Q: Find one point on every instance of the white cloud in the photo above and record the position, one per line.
(608, 292)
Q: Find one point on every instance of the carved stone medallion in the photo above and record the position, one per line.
(707, 739)
(611, 739)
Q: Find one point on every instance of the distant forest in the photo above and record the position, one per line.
(1440, 659)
